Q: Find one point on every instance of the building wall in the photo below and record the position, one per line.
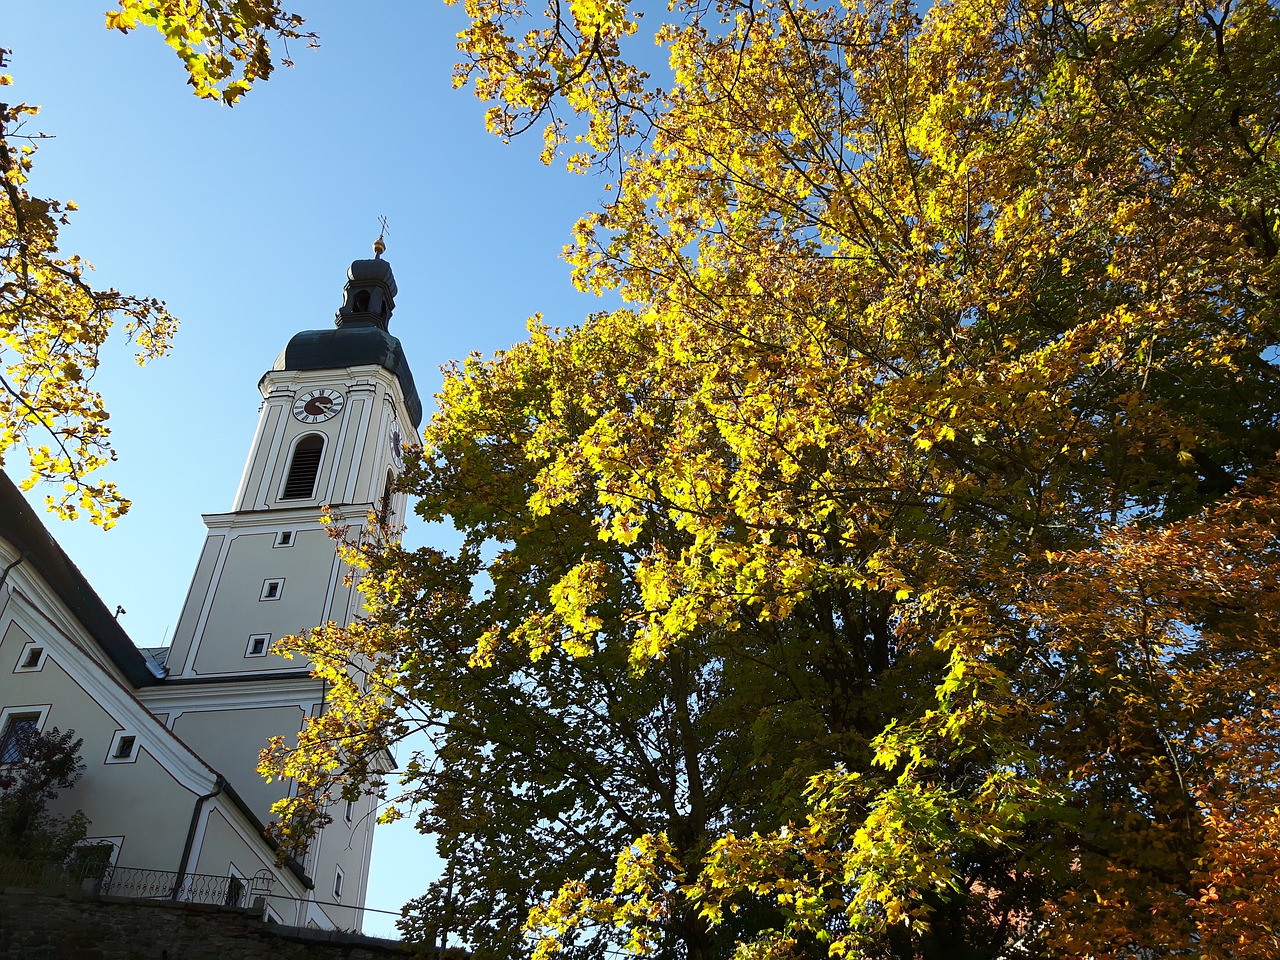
(228, 605)
(231, 739)
(122, 797)
(149, 803)
(267, 569)
(346, 844)
(225, 850)
(357, 452)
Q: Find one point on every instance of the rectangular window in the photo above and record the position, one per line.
(16, 736)
(337, 883)
(350, 813)
(124, 747)
(271, 589)
(258, 644)
(284, 538)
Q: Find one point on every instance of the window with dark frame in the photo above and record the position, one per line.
(19, 728)
(300, 484)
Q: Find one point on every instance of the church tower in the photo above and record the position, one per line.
(338, 406)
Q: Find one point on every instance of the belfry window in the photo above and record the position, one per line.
(384, 508)
(303, 468)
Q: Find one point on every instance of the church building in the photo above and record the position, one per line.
(172, 735)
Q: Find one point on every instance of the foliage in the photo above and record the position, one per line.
(50, 763)
(224, 45)
(53, 321)
(532, 764)
(944, 403)
(53, 324)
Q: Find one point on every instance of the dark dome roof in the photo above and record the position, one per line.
(352, 345)
(377, 271)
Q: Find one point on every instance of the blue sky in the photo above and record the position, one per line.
(244, 220)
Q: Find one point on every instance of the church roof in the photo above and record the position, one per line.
(23, 529)
(360, 332)
(352, 345)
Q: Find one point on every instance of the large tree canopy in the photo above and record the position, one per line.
(53, 320)
(895, 574)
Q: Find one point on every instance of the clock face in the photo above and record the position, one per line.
(396, 441)
(317, 405)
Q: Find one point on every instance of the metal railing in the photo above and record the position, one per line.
(139, 884)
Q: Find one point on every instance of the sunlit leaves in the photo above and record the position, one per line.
(53, 324)
(53, 321)
(224, 45)
(944, 395)
(924, 309)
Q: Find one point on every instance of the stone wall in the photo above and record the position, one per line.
(50, 926)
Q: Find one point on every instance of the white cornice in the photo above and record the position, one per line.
(229, 694)
(266, 520)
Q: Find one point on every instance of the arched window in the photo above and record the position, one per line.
(362, 300)
(384, 510)
(301, 481)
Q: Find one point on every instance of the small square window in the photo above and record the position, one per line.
(124, 748)
(31, 659)
(271, 589)
(258, 644)
(284, 538)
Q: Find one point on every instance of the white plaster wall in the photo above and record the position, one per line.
(230, 741)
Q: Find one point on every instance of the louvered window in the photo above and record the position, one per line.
(301, 482)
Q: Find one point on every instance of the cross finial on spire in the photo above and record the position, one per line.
(379, 245)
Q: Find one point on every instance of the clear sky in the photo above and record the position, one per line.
(244, 220)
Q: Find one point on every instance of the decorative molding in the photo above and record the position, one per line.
(296, 691)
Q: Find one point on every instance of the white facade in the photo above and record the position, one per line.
(333, 422)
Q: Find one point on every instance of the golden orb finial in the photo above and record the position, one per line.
(379, 248)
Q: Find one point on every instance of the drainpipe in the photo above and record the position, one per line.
(5, 576)
(218, 785)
